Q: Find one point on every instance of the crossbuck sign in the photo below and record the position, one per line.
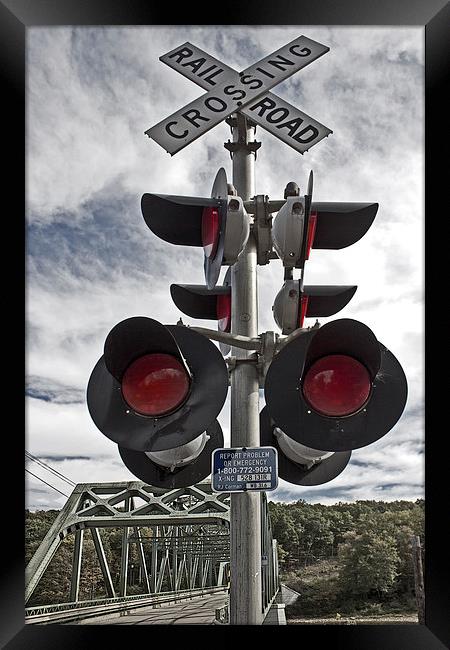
(246, 91)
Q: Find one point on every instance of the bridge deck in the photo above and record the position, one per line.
(200, 610)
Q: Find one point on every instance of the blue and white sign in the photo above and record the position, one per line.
(244, 468)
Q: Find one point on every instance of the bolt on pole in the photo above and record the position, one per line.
(245, 508)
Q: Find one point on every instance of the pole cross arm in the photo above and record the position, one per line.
(251, 207)
(267, 344)
(283, 341)
(237, 341)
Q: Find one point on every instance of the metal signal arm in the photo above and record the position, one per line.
(237, 341)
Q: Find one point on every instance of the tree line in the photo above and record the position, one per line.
(349, 556)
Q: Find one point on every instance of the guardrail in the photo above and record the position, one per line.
(66, 612)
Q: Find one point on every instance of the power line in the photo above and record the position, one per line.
(50, 469)
(41, 479)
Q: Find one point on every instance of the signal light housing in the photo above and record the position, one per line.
(178, 466)
(301, 225)
(285, 388)
(341, 224)
(220, 224)
(288, 231)
(298, 464)
(191, 412)
(198, 301)
(293, 304)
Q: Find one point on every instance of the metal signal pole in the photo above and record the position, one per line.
(245, 510)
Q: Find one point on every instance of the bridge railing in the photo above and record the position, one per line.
(67, 612)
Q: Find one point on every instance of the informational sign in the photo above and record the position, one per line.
(287, 123)
(240, 469)
(189, 123)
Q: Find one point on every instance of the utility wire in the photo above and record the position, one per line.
(50, 469)
(41, 479)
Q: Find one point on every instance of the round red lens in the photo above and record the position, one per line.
(337, 385)
(210, 231)
(223, 310)
(155, 384)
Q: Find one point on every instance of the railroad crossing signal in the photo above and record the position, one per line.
(156, 392)
(158, 389)
(180, 466)
(298, 463)
(219, 224)
(293, 303)
(197, 301)
(335, 388)
(330, 389)
(297, 229)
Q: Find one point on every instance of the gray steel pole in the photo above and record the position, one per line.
(245, 507)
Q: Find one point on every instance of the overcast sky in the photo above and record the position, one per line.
(92, 261)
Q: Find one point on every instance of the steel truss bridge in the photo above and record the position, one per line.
(182, 541)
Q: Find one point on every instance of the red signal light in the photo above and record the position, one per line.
(303, 308)
(155, 384)
(210, 231)
(312, 223)
(337, 385)
(223, 310)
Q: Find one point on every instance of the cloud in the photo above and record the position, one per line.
(55, 392)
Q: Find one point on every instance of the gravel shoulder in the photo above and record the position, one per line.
(394, 619)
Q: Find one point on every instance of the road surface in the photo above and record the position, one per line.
(200, 610)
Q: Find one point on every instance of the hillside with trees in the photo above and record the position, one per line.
(348, 558)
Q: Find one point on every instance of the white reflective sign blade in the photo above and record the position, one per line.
(198, 66)
(289, 124)
(201, 115)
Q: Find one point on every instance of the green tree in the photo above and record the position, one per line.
(283, 528)
(369, 564)
(340, 524)
(314, 534)
(282, 554)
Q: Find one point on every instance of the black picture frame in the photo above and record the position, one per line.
(434, 15)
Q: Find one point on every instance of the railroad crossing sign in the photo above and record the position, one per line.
(242, 469)
(230, 92)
